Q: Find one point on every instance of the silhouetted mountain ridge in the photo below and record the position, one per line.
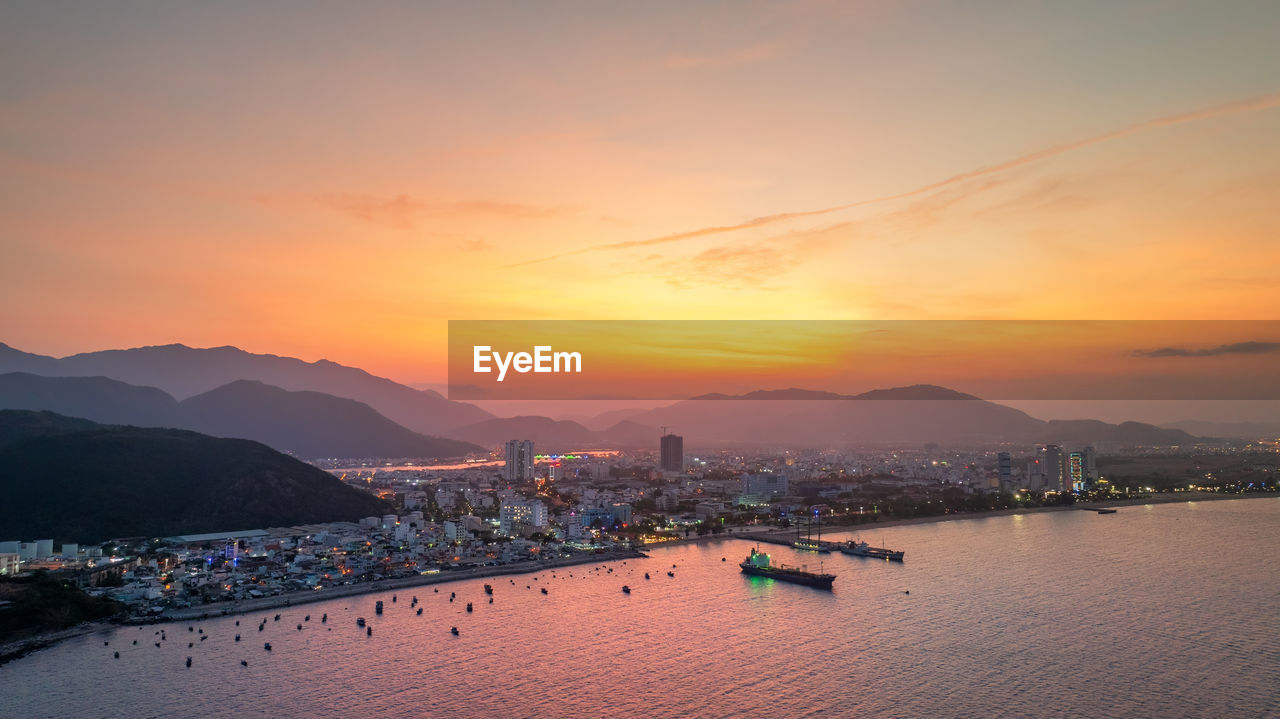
(306, 424)
(184, 371)
(64, 480)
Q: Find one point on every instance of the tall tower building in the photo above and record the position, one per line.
(1004, 468)
(1055, 469)
(1075, 471)
(1090, 465)
(519, 460)
(672, 453)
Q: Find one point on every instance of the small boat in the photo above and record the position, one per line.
(243, 663)
(117, 655)
(626, 589)
(544, 590)
(299, 626)
(307, 618)
(359, 621)
(188, 661)
(377, 608)
(267, 646)
(419, 611)
(455, 631)
(671, 574)
(468, 606)
(488, 589)
(237, 637)
(368, 632)
(491, 600)
(393, 599)
(646, 575)
(277, 617)
(324, 618)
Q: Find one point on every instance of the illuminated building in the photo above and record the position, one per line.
(519, 465)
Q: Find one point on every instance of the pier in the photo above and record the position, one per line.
(787, 540)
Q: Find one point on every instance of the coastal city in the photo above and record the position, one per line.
(525, 511)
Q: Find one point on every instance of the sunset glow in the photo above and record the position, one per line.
(339, 184)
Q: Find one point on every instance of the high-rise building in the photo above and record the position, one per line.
(1090, 466)
(1004, 469)
(519, 460)
(766, 484)
(1035, 474)
(1055, 469)
(672, 451)
(1075, 471)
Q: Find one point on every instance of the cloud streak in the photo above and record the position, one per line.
(1235, 348)
(402, 211)
(1255, 104)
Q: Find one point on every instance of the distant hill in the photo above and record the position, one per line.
(63, 481)
(1091, 431)
(97, 398)
(1234, 430)
(545, 432)
(558, 435)
(915, 414)
(309, 424)
(306, 424)
(185, 371)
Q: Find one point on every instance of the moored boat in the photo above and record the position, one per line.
(758, 564)
(862, 549)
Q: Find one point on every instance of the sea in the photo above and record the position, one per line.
(1165, 610)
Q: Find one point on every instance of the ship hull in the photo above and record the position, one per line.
(873, 553)
(819, 581)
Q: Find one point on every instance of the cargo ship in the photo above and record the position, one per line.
(757, 564)
(862, 549)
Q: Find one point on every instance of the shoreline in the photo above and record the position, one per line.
(18, 648)
(1162, 498)
(290, 599)
(13, 650)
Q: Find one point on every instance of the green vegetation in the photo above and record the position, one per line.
(40, 603)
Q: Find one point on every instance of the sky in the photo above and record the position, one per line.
(338, 180)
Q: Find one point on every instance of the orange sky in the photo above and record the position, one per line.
(339, 181)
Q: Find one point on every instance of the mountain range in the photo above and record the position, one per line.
(79, 481)
(183, 372)
(305, 424)
(280, 398)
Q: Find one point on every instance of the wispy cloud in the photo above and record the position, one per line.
(1235, 348)
(1256, 104)
(727, 58)
(402, 211)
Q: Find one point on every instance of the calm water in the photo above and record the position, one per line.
(1157, 611)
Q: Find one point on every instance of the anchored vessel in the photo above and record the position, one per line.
(758, 564)
(862, 549)
(810, 543)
